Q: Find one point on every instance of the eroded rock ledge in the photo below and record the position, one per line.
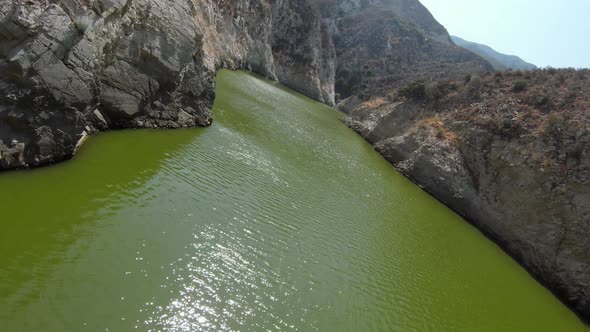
(69, 68)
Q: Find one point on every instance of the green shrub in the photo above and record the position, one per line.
(509, 128)
(520, 86)
(346, 80)
(576, 152)
(474, 87)
(543, 101)
(555, 123)
(414, 90)
(437, 90)
(467, 78)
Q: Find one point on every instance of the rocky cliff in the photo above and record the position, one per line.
(508, 151)
(69, 68)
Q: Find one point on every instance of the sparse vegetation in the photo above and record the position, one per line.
(474, 88)
(542, 101)
(551, 70)
(554, 124)
(375, 102)
(520, 85)
(442, 131)
(504, 104)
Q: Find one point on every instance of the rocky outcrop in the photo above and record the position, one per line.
(69, 68)
(514, 162)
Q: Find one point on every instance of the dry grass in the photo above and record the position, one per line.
(375, 103)
(442, 132)
(515, 103)
(544, 120)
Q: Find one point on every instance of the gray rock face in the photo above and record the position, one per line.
(69, 68)
(304, 54)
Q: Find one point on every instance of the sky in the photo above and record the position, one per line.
(544, 32)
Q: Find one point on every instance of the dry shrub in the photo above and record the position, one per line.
(473, 90)
(442, 132)
(375, 103)
(414, 90)
(436, 90)
(520, 85)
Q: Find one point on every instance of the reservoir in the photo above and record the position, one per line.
(276, 218)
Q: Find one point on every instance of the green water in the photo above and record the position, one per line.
(277, 217)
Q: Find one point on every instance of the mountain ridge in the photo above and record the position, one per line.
(499, 60)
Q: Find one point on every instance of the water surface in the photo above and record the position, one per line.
(276, 218)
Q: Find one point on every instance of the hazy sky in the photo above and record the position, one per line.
(545, 32)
